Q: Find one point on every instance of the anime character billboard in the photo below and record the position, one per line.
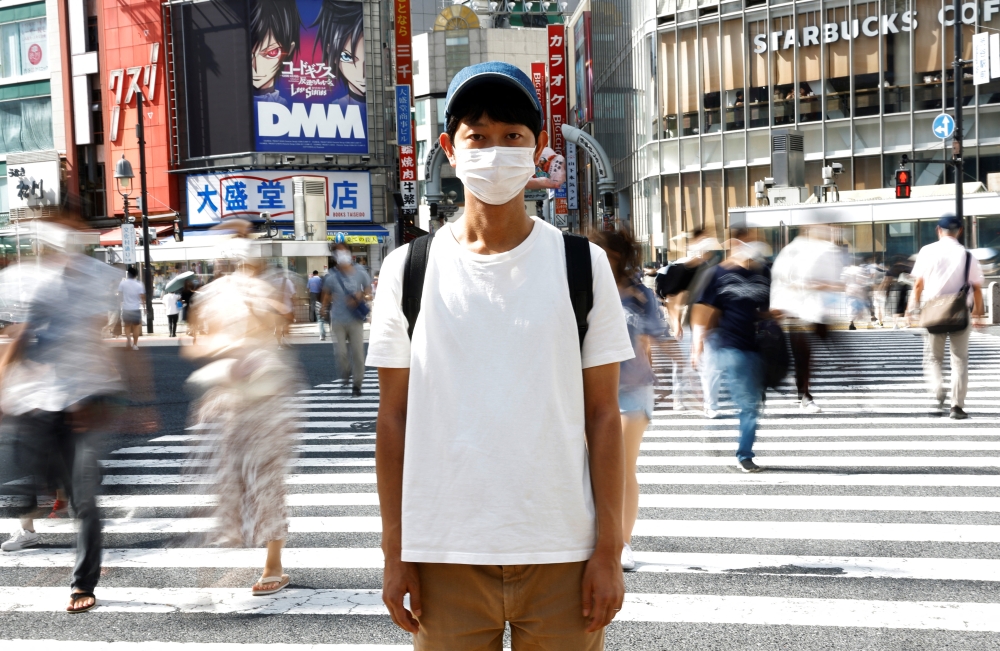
(308, 67)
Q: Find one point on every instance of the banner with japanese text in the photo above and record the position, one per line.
(214, 197)
(538, 81)
(557, 109)
(408, 178)
(404, 79)
(308, 68)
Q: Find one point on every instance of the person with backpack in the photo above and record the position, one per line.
(346, 290)
(733, 303)
(499, 450)
(636, 378)
(949, 281)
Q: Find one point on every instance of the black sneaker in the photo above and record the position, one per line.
(747, 465)
(957, 413)
(356, 392)
(851, 327)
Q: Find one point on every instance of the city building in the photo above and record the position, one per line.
(688, 97)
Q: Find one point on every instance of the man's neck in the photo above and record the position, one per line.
(487, 230)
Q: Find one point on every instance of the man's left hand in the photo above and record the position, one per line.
(603, 589)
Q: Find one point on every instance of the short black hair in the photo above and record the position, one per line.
(341, 26)
(315, 273)
(497, 101)
(132, 273)
(281, 19)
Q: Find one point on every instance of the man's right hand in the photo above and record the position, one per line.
(399, 579)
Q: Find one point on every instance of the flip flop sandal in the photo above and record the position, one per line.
(282, 582)
(77, 596)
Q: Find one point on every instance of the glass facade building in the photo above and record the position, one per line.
(687, 94)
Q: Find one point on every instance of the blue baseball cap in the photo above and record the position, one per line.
(490, 72)
(950, 222)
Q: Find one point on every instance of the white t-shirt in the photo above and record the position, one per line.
(495, 470)
(169, 301)
(131, 292)
(942, 267)
(801, 265)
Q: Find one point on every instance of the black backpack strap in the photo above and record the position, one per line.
(581, 280)
(413, 279)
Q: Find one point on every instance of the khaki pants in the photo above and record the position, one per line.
(934, 358)
(465, 607)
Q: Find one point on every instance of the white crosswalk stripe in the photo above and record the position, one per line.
(865, 515)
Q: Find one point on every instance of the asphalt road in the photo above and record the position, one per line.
(876, 524)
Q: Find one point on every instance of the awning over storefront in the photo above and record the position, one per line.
(356, 234)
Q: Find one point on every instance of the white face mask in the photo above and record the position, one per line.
(343, 257)
(495, 175)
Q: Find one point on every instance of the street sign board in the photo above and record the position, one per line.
(128, 244)
(536, 195)
(404, 131)
(943, 126)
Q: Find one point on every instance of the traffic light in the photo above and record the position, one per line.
(903, 184)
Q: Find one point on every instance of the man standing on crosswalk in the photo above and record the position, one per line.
(942, 269)
(499, 449)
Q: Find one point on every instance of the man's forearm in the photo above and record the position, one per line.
(607, 476)
(390, 440)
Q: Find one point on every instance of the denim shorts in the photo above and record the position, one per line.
(132, 317)
(632, 400)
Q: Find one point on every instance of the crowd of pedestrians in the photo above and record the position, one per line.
(516, 376)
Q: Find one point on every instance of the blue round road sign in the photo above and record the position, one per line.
(339, 238)
(943, 126)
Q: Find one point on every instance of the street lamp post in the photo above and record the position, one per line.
(123, 177)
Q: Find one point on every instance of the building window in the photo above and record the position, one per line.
(456, 53)
(440, 114)
(23, 48)
(421, 107)
(26, 125)
(668, 89)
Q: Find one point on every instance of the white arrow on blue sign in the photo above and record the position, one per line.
(943, 126)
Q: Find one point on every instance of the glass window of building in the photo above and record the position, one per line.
(968, 30)
(668, 88)
(810, 86)
(691, 200)
(672, 215)
(687, 79)
(712, 96)
(713, 209)
(421, 110)
(838, 67)
(928, 55)
(896, 58)
(733, 49)
(783, 67)
(758, 102)
(26, 125)
(736, 188)
(867, 172)
(456, 52)
(439, 112)
(23, 46)
(865, 39)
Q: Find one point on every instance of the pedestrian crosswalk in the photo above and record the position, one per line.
(874, 520)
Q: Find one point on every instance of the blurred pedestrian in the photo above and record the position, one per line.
(57, 398)
(897, 284)
(735, 299)
(246, 391)
(285, 289)
(636, 379)
(948, 282)
(315, 288)
(805, 286)
(858, 281)
(172, 304)
(346, 291)
(131, 293)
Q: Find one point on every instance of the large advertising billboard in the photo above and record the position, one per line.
(214, 197)
(308, 68)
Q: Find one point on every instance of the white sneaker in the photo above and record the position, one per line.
(628, 559)
(19, 540)
(135, 347)
(710, 413)
(809, 406)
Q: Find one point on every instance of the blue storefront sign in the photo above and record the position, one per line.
(214, 197)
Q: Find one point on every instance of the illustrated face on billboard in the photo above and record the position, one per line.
(309, 76)
(274, 25)
(341, 38)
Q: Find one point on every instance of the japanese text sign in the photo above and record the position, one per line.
(538, 80)
(404, 130)
(214, 197)
(408, 178)
(557, 86)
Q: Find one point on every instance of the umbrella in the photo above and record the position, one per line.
(178, 282)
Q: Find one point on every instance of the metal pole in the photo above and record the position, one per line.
(146, 270)
(956, 144)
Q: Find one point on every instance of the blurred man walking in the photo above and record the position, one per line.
(946, 274)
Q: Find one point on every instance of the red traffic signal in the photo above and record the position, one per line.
(903, 184)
